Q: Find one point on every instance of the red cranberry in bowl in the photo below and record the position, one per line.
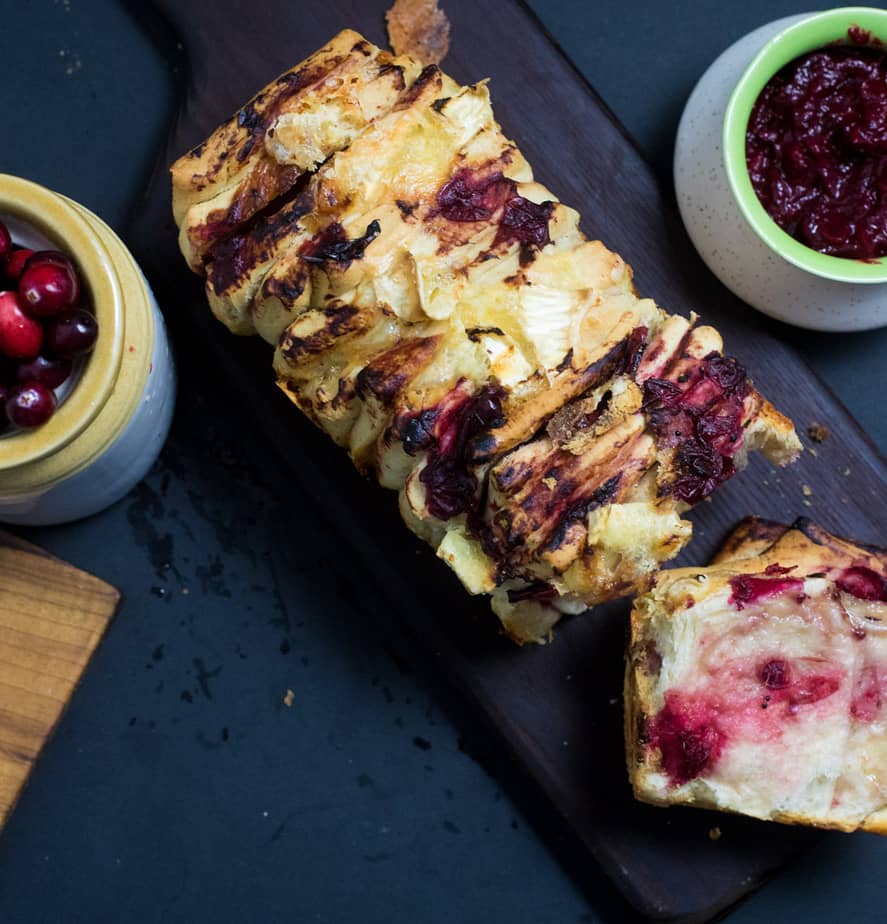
(71, 333)
(20, 336)
(30, 405)
(50, 256)
(16, 263)
(46, 370)
(48, 286)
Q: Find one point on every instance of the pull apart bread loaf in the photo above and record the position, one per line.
(759, 684)
(440, 315)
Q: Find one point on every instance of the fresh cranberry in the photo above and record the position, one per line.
(16, 263)
(20, 336)
(30, 405)
(5, 243)
(774, 675)
(45, 370)
(71, 333)
(55, 257)
(47, 288)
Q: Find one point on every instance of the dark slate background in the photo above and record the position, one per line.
(179, 787)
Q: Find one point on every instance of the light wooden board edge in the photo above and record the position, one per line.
(52, 618)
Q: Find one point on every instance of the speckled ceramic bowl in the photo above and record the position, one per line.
(115, 413)
(725, 239)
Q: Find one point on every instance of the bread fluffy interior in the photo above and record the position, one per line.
(808, 747)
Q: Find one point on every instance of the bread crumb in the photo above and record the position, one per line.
(807, 503)
(812, 451)
(289, 699)
(846, 472)
(420, 29)
(818, 432)
(550, 483)
(807, 490)
(714, 834)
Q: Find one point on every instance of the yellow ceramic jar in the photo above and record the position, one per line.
(112, 422)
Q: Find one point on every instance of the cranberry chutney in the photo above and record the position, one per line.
(816, 148)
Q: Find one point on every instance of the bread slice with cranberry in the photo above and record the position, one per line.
(758, 685)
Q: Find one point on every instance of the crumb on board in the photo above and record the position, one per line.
(846, 472)
(419, 28)
(714, 834)
(812, 451)
(818, 432)
(806, 490)
(289, 699)
(807, 503)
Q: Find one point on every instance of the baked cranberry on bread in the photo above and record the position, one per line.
(442, 317)
(758, 685)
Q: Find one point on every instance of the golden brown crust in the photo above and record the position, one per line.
(441, 315)
(876, 823)
(811, 548)
(756, 544)
(261, 152)
(749, 538)
(201, 172)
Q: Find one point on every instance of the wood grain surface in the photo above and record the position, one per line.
(52, 617)
(549, 718)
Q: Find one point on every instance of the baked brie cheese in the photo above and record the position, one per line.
(758, 685)
(441, 316)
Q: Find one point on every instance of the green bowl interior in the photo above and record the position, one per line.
(809, 34)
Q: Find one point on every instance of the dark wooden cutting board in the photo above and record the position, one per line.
(552, 714)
